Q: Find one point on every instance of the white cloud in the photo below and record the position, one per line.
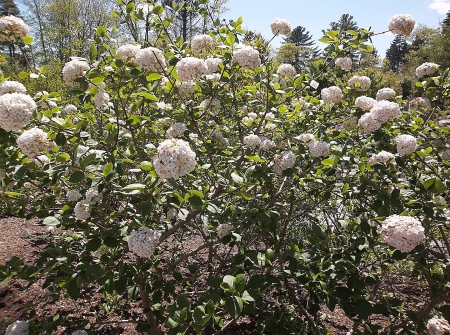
(442, 6)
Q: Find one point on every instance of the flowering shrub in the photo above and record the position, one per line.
(278, 193)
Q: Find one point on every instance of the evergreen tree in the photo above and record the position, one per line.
(9, 7)
(302, 38)
(397, 53)
(344, 23)
(446, 22)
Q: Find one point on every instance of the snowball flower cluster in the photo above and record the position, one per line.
(101, 100)
(382, 157)
(385, 93)
(247, 57)
(252, 141)
(128, 52)
(191, 68)
(345, 63)
(82, 210)
(93, 196)
(185, 88)
(368, 124)
(283, 162)
(384, 110)
(281, 26)
(17, 328)
(73, 195)
(143, 241)
(15, 110)
(266, 144)
(9, 86)
(426, 69)
(212, 105)
(401, 24)
(174, 158)
(331, 95)
(13, 27)
(438, 326)
(201, 43)
(402, 232)
(365, 103)
(175, 130)
(151, 59)
(220, 140)
(318, 149)
(406, 144)
(360, 83)
(33, 141)
(73, 70)
(224, 229)
(212, 65)
(419, 103)
(287, 70)
(69, 109)
(305, 137)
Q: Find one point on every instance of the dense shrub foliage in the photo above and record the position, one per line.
(208, 185)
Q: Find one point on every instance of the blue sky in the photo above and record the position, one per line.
(316, 15)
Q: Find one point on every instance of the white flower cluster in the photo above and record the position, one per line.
(382, 157)
(15, 110)
(266, 144)
(446, 155)
(348, 124)
(33, 141)
(419, 103)
(345, 63)
(69, 109)
(151, 59)
(281, 26)
(247, 57)
(191, 68)
(174, 158)
(101, 100)
(13, 27)
(175, 130)
(79, 332)
(73, 70)
(360, 83)
(212, 65)
(9, 86)
(300, 102)
(401, 24)
(212, 105)
(82, 210)
(406, 144)
(426, 69)
(306, 138)
(201, 43)
(331, 95)
(93, 196)
(365, 103)
(368, 123)
(224, 229)
(252, 141)
(17, 328)
(384, 110)
(283, 162)
(385, 93)
(438, 326)
(318, 149)
(143, 241)
(73, 195)
(287, 70)
(402, 232)
(220, 140)
(128, 52)
(185, 88)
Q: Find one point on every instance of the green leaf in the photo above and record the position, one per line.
(93, 52)
(27, 39)
(170, 323)
(239, 283)
(255, 158)
(153, 76)
(148, 96)
(111, 242)
(365, 47)
(94, 244)
(158, 10)
(73, 290)
(51, 221)
(107, 169)
(130, 7)
(23, 75)
(133, 187)
(229, 280)
(247, 297)
(234, 306)
(325, 40)
(76, 177)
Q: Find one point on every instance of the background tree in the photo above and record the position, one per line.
(346, 22)
(396, 54)
(9, 7)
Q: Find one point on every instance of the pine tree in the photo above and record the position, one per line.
(302, 38)
(9, 7)
(397, 53)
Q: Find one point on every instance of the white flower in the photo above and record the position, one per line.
(73, 70)
(212, 105)
(201, 43)
(314, 84)
(73, 195)
(151, 59)
(438, 326)
(191, 68)
(360, 83)
(331, 95)
(12, 87)
(401, 24)
(305, 137)
(382, 157)
(283, 162)
(13, 27)
(281, 26)
(300, 102)
(426, 69)
(384, 110)
(171, 214)
(33, 141)
(15, 110)
(163, 106)
(174, 158)
(317, 148)
(247, 57)
(128, 52)
(101, 100)
(17, 328)
(82, 210)
(406, 144)
(269, 116)
(93, 196)
(345, 63)
(219, 139)
(185, 88)
(419, 103)
(287, 70)
(212, 65)
(368, 124)
(402, 232)
(69, 109)
(252, 115)
(365, 103)
(143, 241)
(266, 144)
(385, 93)
(176, 130)
(224, 229)
(252, 141)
